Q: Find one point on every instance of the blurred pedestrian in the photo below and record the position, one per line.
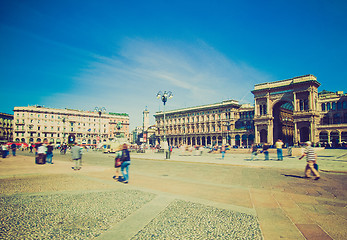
(41, 154)
(31, 148)
(311, 159)
(254, 150)
(125, 163)
(49, 154)
(13, 148)
(222, 150)
(278, 146)
(76, 155)
(4, 150)
(266, 151)
(118, 163)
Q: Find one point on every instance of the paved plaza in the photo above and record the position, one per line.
(185, 197)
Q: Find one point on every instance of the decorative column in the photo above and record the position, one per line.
(270, 132)
(256, 134)
(295, 133)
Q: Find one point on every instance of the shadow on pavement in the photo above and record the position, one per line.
(294, 176)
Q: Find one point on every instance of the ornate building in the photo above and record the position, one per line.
(225, 122)
(332, 127)
(291, 110)
(294, 111)
(38, 124)
(6, 121)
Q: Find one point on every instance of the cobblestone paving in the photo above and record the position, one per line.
(67, 215)
(187, 220)
(44, 183)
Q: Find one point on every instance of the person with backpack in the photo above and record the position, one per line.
(125, 163)
(118, 163)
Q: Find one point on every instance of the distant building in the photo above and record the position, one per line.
(332, 127)
(39, 124)
(6, 122)
(225, 122)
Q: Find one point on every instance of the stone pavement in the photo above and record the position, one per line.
(186, 197)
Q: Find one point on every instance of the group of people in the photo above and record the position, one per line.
(43, 153)
(5, 150)
(265, 150)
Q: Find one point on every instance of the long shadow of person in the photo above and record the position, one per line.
(294, 176)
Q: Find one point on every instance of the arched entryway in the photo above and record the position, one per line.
(324, 137)
(334, 138)
(304, 134)
(237, 140)
(263, 136)
(283, 122)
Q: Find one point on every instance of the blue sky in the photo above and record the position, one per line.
(119, 54)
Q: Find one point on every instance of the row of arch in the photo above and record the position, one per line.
(56, 141)
(237, 140)
(333, 137)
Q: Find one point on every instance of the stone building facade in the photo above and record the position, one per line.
(6, 122)
(292, 110)
(227, 122)
(39, 124)
(332, 127)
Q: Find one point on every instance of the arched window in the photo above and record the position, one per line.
(303, 104)
(323, 106)
(323, 136)
(333, 106)
(344, 136)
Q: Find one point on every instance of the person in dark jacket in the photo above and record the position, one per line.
(13, 148)
(266, 151)
(125, 163)
(49, 154)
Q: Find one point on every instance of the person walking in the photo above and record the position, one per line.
(4, 150)
(254, 150)
(266, 151)
(118, 162)
(222, 150)
(49, 154)
(41, 154)
(125, 163)
(311, 159)
(13, 148)
(76, 155)
(278, 146)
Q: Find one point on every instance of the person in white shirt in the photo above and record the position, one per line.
(311, 159)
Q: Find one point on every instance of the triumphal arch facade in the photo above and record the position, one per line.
(287, 110)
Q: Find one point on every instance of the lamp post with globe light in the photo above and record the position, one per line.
(164, 96)
(100, 110)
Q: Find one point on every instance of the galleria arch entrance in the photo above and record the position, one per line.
(283, 122)
(287, 110)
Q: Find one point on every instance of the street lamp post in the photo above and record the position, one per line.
(100, 110)
(164, 96)
(64, 120)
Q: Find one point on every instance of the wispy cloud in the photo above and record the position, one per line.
(196, 74)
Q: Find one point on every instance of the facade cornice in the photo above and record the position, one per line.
(228, 103)
(284, 83)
